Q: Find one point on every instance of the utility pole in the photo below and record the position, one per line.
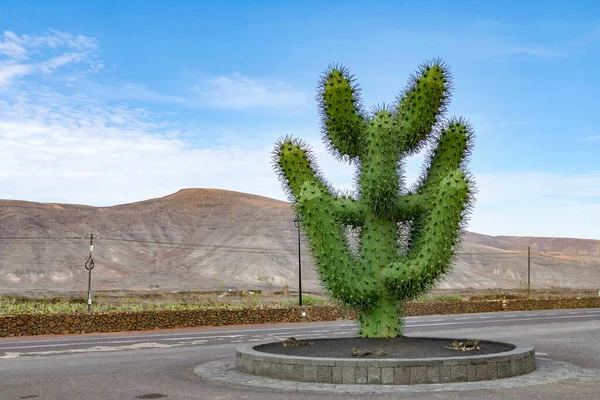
(529, 271)
(89, 265)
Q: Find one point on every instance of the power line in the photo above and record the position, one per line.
(181, 244)
(571, 261)
(230, 248)
(492, 253)
(175, 244)
(43, 238)
(197, 245)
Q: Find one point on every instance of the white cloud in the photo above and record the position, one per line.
(11, 47)
(27, 55)
(127, 91)
(503, 188)
(238, 92)
(50, 65)
(56, 39)
(538, 204)
(229, 93)
(10, 72)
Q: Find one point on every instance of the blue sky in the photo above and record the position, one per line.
(105, 103)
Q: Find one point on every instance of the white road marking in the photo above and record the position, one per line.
(194, 342)
(117, 342)
(220, 337)
(512, 320)
(91, 349)
(66, 344)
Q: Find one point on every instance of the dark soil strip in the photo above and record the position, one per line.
(399, 347)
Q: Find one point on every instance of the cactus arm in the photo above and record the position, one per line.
(433, 250)
(418, 107)
(341, 113)
(294, 162)
(409, 207)
(319, 211)
(349, 211)
(343, 275)
(450, 153)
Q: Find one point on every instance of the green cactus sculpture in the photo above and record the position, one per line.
(407, 237)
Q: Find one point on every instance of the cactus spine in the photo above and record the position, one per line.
(408, 237)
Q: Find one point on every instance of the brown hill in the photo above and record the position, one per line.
(206, 239)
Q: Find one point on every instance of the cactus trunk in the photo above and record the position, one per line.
(382, 320)
(408, 237)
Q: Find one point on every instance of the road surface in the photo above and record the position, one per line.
(160, 364)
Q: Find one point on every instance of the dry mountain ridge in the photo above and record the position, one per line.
(229, 239)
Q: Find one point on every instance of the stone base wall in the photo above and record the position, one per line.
(516, 362)
(37, 324)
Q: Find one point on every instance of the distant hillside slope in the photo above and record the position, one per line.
(230, 239)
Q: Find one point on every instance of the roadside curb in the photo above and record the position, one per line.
(547, 371)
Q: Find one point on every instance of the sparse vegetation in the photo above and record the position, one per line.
(429, 299)
(308, 300)
(267, 281)
(10, 305)
(111, 302)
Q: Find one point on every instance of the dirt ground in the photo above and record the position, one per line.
(398, 347)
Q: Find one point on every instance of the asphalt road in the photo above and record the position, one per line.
(159, 364)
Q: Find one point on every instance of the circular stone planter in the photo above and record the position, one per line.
(414, 361)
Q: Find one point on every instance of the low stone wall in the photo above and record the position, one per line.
(466, 307)
(36, 324)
